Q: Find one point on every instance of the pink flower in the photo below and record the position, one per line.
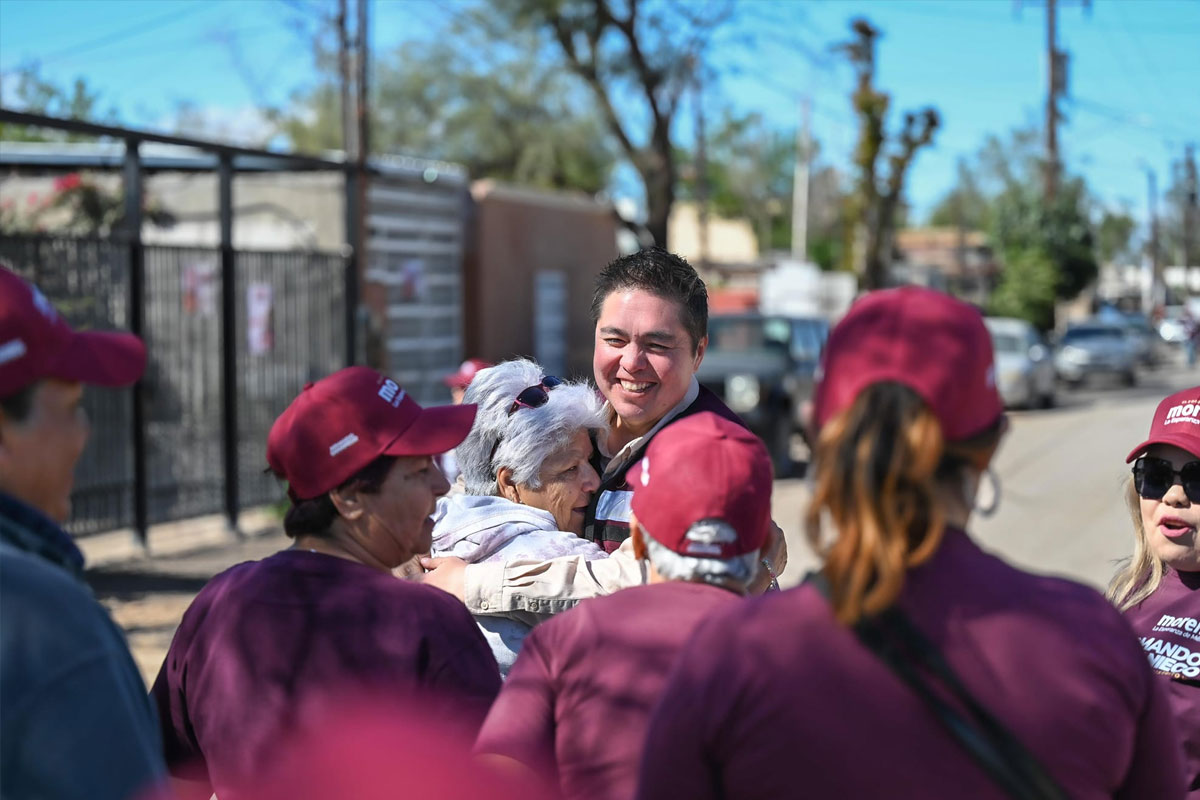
(32, 199)
(67, 182)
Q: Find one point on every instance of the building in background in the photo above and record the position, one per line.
(530, 269)
(957, 261)
(410, 284)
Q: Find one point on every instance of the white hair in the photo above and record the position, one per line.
(528, 436)
(734, 573)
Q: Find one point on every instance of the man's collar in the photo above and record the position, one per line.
(24, 527)
(617, 459)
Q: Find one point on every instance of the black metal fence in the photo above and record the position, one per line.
(290, 312)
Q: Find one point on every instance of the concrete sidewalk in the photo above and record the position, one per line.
(147, 590)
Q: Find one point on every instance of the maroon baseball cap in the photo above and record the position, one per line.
(698, 468)
(928, 341)
(37, 343)
(341, 423)
(466, 373)
(1176, 421)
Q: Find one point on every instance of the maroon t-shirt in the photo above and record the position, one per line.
(268, 644)
(780, 701)
(1168, 625)
(578, 699)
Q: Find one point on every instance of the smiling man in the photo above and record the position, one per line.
(650, 311)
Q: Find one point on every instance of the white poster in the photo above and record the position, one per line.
(260, 335)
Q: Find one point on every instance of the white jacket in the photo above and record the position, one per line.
(493, 529)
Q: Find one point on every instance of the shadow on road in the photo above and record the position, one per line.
(127, 583)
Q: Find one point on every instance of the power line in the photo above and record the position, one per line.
(1125, 118)
(1140, 48)
(126, 33)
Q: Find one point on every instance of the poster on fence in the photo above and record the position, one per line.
(200, 288)
(259, 328)
(412, 281)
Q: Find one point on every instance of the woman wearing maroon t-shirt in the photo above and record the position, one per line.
(915, 665)
(268, 647)
(1157, 588)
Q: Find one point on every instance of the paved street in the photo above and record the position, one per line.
(1061, 471)
(1062, 475)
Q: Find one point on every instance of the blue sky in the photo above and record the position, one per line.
(1135, 69)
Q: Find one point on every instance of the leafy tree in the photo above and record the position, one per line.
(1179, 200)
(1026, 288)
(966, 204)
(499, 110)
(36, 95)
(638, 57)
(750, 169)
(749, 175)
(879, 192)
(1114, 235)
(1031, 234)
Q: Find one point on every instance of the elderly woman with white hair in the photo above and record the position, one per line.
(525, 467)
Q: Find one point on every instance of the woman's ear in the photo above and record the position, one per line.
(347, 501)
(507, 486)
(639, 541)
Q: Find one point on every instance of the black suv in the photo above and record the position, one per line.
(762, 366)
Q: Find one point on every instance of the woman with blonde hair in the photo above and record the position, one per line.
(914, 664)
(1157, 587)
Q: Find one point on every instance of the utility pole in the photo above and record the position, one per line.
(1190, 258)
(344, 73)
(1156, 295)
(701, 163)
(800, 182)
(1053, 87)
(362, 119)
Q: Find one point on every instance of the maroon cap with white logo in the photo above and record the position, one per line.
(36, 343)
(1176, 421)
(342, 423)
(466, 373)
(930, 342)
(704, 467)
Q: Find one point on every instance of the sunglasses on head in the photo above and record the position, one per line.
(530, 397)
(1153, 478)
(535, 396)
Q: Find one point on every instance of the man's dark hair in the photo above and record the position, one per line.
(316, 515)
(658, 272)
(17, 405)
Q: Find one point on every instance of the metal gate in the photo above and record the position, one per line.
(290, 312)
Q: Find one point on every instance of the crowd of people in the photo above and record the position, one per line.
(588, 608)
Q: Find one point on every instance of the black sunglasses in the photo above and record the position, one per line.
(1153, 477)
(535, 396)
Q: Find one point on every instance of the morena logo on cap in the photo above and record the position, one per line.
(1176, 421)
(1184, 412)
(356, 415)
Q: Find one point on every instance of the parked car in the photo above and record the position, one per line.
(1025, 373)
(1148, 345)
(763, 367)
(1095, 348)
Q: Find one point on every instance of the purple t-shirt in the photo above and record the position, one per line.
(778, 700)
(1168, 624)
(265, 643)
(577, 701)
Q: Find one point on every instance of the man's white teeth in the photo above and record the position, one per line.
(630, 386)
